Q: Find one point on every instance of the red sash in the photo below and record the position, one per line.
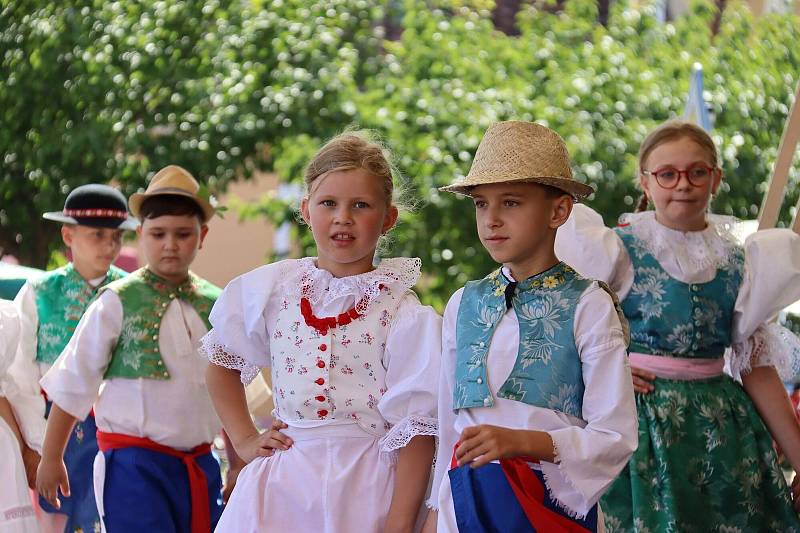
(530, 495)
(198, 486)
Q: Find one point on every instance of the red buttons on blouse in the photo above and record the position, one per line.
(321, 363)
(320, 398)
(323, 347)
(322, 413)
(319, 381)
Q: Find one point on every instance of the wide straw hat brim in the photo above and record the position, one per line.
(172, 180)
(517, 151)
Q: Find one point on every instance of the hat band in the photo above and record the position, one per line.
(96, 213)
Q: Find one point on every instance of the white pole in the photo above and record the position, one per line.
(771, 205)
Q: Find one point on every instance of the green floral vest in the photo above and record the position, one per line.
(145, 298)
(62, 297)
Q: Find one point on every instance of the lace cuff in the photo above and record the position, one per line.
(408, 428)
(770, 345)
(218, 354)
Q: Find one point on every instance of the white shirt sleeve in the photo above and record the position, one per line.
(593, 250)
(590, 458)
(411, 359)
(75, 377)
(9, 338)
(22, 387)
(239, 339)
(770, 282)
(448, 436)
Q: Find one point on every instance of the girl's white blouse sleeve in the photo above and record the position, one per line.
(412, 359)
(770, 282)
(239, 339)
(9, 339)
(594, 250)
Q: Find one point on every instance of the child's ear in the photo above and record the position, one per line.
(715, 183)
(203, 233)
(304, 211)
(390, 219)
(562, 207)
(66, 235)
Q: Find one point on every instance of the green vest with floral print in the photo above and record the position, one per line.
(62, 297)
(145, 298)
(548, 370)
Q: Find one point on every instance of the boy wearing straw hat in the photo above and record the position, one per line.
(536, 404)
(154, 416)
(92, 222)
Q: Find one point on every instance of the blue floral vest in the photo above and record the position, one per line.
(547, 372)
(672, 318)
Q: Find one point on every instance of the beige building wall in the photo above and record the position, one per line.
(233, 247)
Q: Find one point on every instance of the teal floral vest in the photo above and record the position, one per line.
(62, 297)
(547, 372)
(672, 318)
(145, 298)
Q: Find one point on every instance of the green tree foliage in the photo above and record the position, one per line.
(114, 90)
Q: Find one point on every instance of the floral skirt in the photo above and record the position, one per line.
(705, 462)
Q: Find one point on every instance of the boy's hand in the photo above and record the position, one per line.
(642, 380)
(30, 458)
(480, 445)
(264, 444)
(51, 476)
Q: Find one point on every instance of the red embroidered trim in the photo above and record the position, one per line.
(113, 213)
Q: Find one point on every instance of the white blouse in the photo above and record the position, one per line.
(176, 412)
(382, 367)
(590, 452)
(770, 282)
(9, 339)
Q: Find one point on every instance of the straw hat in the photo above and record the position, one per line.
(172, 180)
(95, 205)
(521, 151)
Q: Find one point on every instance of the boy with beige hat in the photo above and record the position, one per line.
(536, 408)
(155, 471)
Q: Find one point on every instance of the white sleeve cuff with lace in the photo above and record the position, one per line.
(219, 355)
(401, 434)
(770, 345)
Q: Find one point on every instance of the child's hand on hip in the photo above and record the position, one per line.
(51, 476)
(264, 444)
(480, 445)
(642, 380)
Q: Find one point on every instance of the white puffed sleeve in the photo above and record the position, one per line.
(9, 338)
(589, 458)
(411, 359)
(75, 377)
(22, 388)
(239, 338)
(448, 436)
(593, 250)
(770, 282)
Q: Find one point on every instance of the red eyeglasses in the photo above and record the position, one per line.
(698, 175)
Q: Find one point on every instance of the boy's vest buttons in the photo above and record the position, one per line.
(481, 344)
(155, 337)
(487, 401)
(479, 381)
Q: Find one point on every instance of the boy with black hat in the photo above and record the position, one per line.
(93, 220)
(535, 397)
(140, 339)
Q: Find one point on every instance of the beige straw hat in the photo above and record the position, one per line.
(172, 179)
(521, 151)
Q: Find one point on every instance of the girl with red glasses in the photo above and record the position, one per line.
(697, 302)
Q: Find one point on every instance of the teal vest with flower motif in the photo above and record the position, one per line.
(62, 297)
(145, 298)
(547, 372)
(671, 318)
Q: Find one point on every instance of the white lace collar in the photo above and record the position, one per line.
(713, 246)
(320, 286)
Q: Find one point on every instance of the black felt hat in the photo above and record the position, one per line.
(95, 205)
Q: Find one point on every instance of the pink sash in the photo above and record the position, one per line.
(680, 368)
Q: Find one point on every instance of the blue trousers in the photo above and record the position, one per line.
(149, 491)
